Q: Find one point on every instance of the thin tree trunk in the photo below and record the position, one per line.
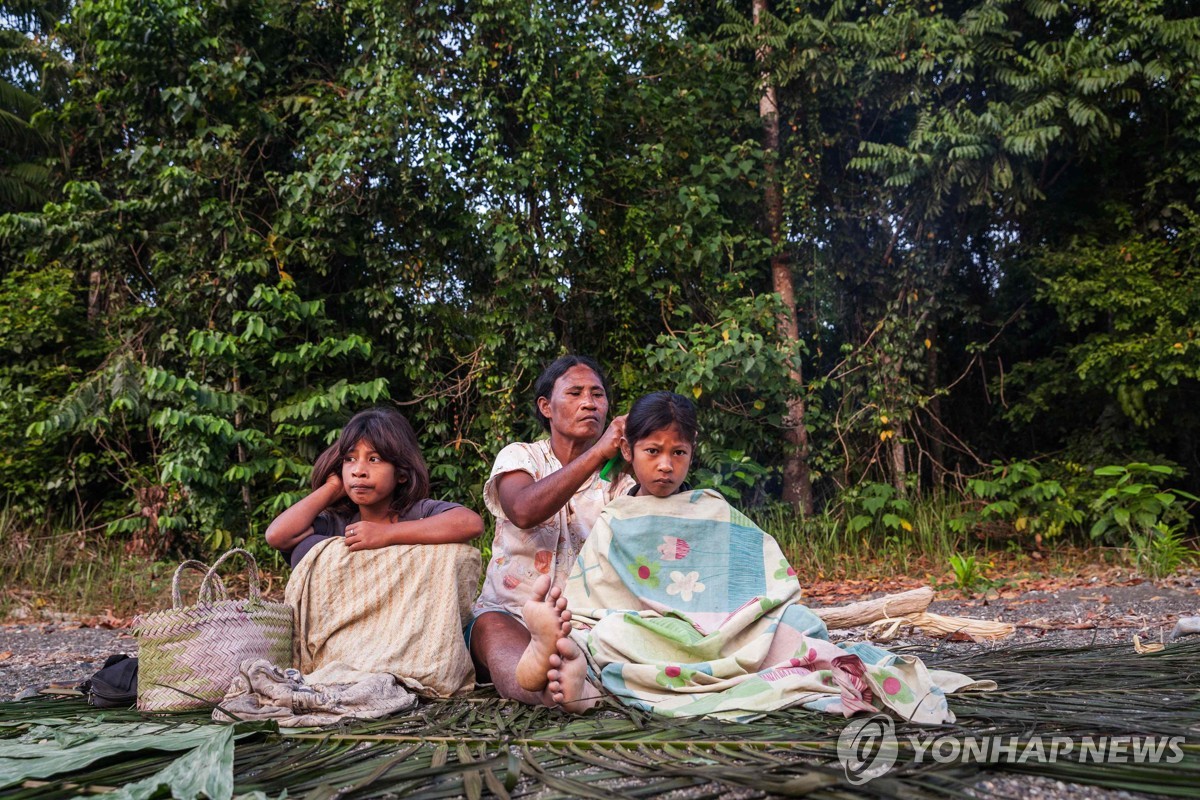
(899, 461)
(95, 294)
(797, 483)
(936, 450)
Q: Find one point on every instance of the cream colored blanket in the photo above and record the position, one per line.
(398, 610)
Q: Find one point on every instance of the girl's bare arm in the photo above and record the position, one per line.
(289, 528)
(450, 527)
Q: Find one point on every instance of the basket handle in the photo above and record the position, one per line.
(206, 591)
(251, 569)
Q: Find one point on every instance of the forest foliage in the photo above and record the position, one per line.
(230, 224)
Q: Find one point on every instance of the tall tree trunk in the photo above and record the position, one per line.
(95, 294)
(797, 483)
(937, 452)
(899, 461)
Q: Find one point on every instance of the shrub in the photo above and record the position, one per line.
(1019, 495)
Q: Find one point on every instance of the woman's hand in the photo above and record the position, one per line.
(610, 442)
(368, 535)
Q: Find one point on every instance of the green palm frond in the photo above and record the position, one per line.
(16, 107)
(23, 186)
(481, 746)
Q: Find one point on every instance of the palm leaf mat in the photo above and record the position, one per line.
(482, 746)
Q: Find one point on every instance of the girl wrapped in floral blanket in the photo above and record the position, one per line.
(681, 605)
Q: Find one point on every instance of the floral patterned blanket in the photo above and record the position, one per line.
(687, 608)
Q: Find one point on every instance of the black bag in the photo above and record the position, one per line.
(115, 685)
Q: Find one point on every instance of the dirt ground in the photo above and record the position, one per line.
(1102, 609)
(1110, 608)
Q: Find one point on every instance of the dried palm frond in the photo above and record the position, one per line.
(481, 746)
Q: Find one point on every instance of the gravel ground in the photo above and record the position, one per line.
(1095, 614)
(33, 654)
(64, 649)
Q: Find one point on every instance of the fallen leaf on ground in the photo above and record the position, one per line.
(108, 621)
(7, 654)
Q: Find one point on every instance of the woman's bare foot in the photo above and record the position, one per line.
(568, 685)
(548, 620)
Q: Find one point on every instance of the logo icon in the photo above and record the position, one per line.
(867, 748)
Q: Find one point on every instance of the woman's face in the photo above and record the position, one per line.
(577, 406)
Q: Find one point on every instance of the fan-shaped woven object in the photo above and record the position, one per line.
(188, 655)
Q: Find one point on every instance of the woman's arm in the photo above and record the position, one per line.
(527, 502)
(452, 526)
(289, 528)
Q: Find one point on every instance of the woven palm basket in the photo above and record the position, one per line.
(188, 655)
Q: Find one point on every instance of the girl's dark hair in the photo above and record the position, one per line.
(544, 386)
(394, 440)
(658, 411)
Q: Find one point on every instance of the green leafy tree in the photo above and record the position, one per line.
(224, 231)
(930, 149)
(277, 212)
(29, 84)
(1132, 307)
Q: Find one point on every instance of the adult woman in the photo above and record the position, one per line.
(545, 496)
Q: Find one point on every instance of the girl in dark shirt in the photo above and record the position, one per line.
(371, 487)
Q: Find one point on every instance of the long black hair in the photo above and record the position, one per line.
(660, 410)
(544, 386)
(396, 443)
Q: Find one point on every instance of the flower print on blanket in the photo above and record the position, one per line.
(673, 548)
(645, 571)
(690, 609)
(686, 586)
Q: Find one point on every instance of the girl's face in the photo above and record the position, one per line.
(578, 405)
(368, 479)
(660, 461)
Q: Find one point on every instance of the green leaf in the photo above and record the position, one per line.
(206, 771)
(43, 759)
